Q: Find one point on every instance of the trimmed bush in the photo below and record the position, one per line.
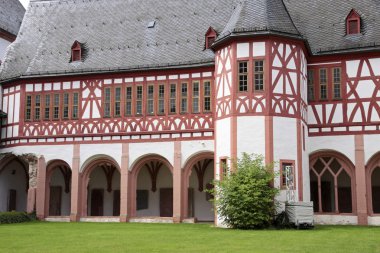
(15, 217)
(245, 198)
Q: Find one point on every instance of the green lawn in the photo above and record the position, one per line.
(44, 237)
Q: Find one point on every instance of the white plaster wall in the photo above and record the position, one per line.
(223, 140)
(371, 146)
(344, 144)
(203, 209)
(164, 180)
(93, 150)
(242, 50)
(190, 148)
(335, 219)
(138, 150)
(3, 48)
(58, 180)
(305, 167)
(50, 152)
(284, 146)
(98, 181)
(258, 49)
(16, 182)
(251, 135)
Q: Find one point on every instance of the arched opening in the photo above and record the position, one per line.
(198, 177)
(14, 184)
(375, 190)
(152, 188)
(101, 188)
(332, 183)
(58, 188)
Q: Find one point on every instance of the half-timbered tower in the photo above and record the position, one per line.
(128, 110)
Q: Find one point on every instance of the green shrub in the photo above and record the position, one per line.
(245, 198)
(15, 217)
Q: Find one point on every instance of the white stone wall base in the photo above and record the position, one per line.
(100, 219)
(151, 220)
(335, 219)
(58, 219)
(374, 220)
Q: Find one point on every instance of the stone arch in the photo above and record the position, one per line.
(64, 191)
(88, 167)
(373, 191)
(136, 167)
(195, 162)
(330, 166)
(10, 189)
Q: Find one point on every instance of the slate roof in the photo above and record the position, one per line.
(116, 36)
(115, 33)
(323, 24)
(260, 16)
(11, 14)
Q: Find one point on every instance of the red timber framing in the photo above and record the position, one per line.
(92, 126)
(284, 71)
(355, 112)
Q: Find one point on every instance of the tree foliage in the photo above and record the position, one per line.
(245, 197)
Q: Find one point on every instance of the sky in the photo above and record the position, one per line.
(24, 2)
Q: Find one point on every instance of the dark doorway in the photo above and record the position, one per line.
(12, 200)
(55, 200)
(166, 202)
(116, 203)
(376, 199)
(97, 196)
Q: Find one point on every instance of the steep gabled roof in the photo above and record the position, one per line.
(323, 24)
(258, 16)
(116, 35)
(11, 15)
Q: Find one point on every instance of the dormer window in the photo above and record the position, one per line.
(76, 52)
(353, 22)
(210, 37)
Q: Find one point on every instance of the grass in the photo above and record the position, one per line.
(128, 237)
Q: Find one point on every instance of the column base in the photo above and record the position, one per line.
(74, 217)
(362, 219)
(177, 219)
(124, 218)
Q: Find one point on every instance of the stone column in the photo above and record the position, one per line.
(41, 188)
(361, 196)
(31, 202)
(75, 185)
(177, 183)
(125, 200)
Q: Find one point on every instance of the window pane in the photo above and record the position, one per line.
(259, 75)
(173, 95)
(207, 96)
(37, 107)
(310, 85)
(195, 97)
(337, 82)
(323, 83)
(128, 101)
(243, 76)
(47, 107)
(161, 99)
